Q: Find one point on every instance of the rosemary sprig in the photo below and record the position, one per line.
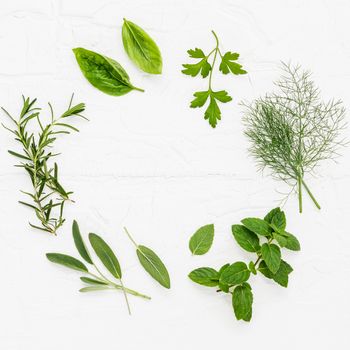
(292, 130)
(48, 196)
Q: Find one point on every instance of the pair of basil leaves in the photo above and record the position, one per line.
(108, 75)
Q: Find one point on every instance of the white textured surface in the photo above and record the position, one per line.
(149, 162)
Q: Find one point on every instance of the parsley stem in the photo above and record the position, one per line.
(214, 60)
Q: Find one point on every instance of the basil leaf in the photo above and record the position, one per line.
(234, 274)
(79, 243)
(106, 255)
(268, 217)
(258, 226)
(292, 242)
(153, 265)
(67, 261)
(242, 301)
(247, 239)
(141, 48)
(271, 253)
(103, 72)
(93, 281)
(206, 276)
(202, 240)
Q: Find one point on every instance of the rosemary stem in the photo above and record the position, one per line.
(310, 194)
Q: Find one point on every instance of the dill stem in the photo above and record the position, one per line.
(300, 193)
(310, 194)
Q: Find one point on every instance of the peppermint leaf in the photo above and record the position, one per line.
(271, 254)
(202, 240)
(242, 301)
(234, 274)
(258, 226)
(247, 239)
(205, 276)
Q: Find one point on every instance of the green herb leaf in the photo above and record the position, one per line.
(234, 274)
(292, 242)
(141, 48)
(205, 67)
(106, 255)
(278, 222)
(281, 276)
(202, 240)
(228, 65)
(242, 301)
(282, 240)
(205, 276)
(103, 72)
(67, 261)
(268, 217)
(153, 265)
(271, 254)
(79, 243)
(258, 226)
(252, 268)
(92, 281)
(247, 239)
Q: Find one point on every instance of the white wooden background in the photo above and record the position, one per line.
(149, 162)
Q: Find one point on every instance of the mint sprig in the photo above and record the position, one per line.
(263, 237)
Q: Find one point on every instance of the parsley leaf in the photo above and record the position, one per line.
(227, 65)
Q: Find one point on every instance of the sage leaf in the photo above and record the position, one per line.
(67, 261)
(103, 72)
(268, 217)
(92, 281)
(141, 48)
(292, 242)
(93, 289)
(153, 265)
(79, 243)
(106, 255)
(202, 240)
(234, 274)
(242, 301)
(247, 239)
(206, 276)
(258, 226)
(271, 254)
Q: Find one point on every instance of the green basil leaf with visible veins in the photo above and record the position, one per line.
(206, 276)
(202, 240)
(106, 255)
(67, 261)
(153, 265)
(79, 243)
(103, 72)
(247, 239)
(234, 274)
(242, 301)
(271, 254)
(141, 48)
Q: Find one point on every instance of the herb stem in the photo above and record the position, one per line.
(138, 89)
(310, 194)
(214, 60)
(300, 193)
(130, 237)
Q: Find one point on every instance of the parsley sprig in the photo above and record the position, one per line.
(205, 68)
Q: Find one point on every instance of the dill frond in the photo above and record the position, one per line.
(293, 130)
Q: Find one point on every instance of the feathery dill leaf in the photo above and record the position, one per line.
(292, 130)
